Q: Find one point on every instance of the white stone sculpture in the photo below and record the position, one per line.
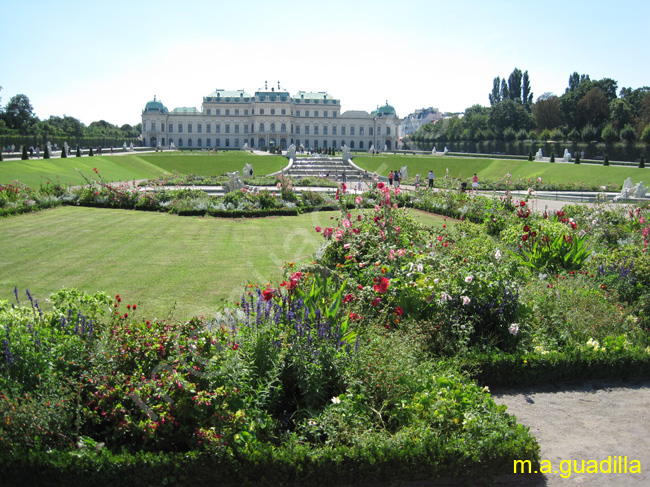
(248, 170)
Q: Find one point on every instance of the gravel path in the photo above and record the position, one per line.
(590, 420)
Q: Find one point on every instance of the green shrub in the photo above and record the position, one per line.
(642, 163)
(606, 160)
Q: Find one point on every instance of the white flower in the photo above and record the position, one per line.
(420, 267)
(514, 329)
(436, 281)
(466, 300)
(336, 400)
(469, 279)
(497, 254)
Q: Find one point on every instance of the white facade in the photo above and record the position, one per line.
(270, 117)
(417, 119)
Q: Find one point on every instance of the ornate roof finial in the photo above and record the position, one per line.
(266, 86)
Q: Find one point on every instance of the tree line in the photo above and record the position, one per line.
(588, 111)
(18, 121)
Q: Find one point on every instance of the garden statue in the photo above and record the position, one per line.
(291, 152)
(538, 156)
(347, 156)
(446, 150)
(640, 190)
(245, 146)
(403, 173)
(248, 170)
(234, 184)
(567, 156)
(433, 152)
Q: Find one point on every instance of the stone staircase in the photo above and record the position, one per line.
(324, 167)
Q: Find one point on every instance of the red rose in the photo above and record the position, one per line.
(381, 285)
(375, 301)
(399, 311)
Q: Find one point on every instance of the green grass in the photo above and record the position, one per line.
(153, 259)
(216, 164)
(35, 172)
(460, 167)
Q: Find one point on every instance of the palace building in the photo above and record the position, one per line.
(270, 117)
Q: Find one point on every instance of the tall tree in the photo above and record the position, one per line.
(495, 96)
(593, 108)
(514, 85)
(547, 112)
(504, 90)
(576, 80)
(526, 93)
(19, 114)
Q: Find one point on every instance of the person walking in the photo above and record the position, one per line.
(431, 177)
(475, 183)
(396, 178)
(390, 178)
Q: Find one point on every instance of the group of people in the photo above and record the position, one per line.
(394, 177)
(463, 185)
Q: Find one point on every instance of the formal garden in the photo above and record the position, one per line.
(366, 355)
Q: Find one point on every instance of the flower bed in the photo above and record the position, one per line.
(373, 362)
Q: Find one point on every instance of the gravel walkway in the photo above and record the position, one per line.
(591, 420)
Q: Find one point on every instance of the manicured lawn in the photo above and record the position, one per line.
(460, 167)
(35, 172)
(153, 259)
(215, 164)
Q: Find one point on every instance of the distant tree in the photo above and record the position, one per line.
(523, 134)
(575, 80)
(495, 96)
(545, 135)
(514, 85)
(90, 152)
(577, 161)
(24, 155)
(589, 133)
(78, 151)
(593, 108)
(509, 134)
(642, 163)
(547, 112)
(19, 114)
(552, 157)
(607, 86)
(526, 93)
(609, 135)
(557, 134)
(628, 134)
(504, 90)
(645, 135)
(620, 114)
(509, 113)
(574, 135)
(64, 153)
(46, 152)
(606, 160)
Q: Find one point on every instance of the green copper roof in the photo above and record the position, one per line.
(384, 110)
(185, 111)
(321, 96)
(155, 106)
(221, 95)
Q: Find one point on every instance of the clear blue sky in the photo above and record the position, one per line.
(105, 60)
